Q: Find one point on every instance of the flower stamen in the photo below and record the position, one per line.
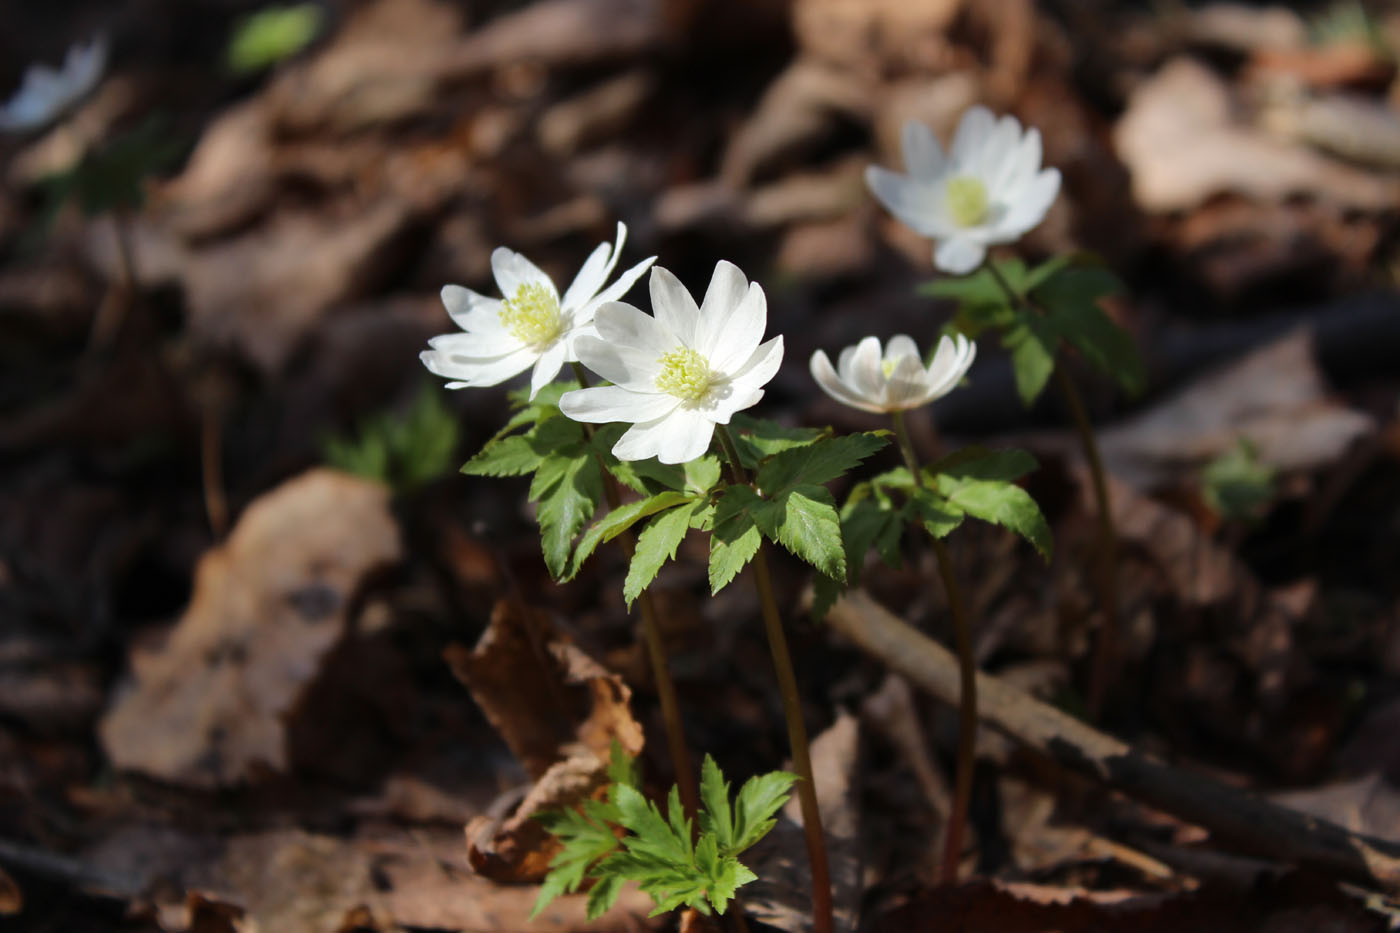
(532, 315)
(685, 374)
(967, 200)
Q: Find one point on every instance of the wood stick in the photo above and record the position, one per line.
(1239, 820)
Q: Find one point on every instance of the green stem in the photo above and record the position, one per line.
(656, 651)
(967, 680)
(822, 920)
(1105, 660)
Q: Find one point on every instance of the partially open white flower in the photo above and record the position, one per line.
(531, 326)
(895, 380)
(45, 94)
(988, 189)
(678, 374)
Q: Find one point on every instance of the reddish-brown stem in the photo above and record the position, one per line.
(822, 919)
(967, 696)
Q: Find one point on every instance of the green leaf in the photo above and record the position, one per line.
(938, 516)
(655, 546)
(567, 489)
(715, 816)
(978, 462)
(622, 768)
(585, 838)
(758, 800)
(819, 462)
(271, 35)
(735, 538)
(507, 456)
(615, 523)
(602, 896)
(1070, 297)
(702, 474)
(1236, 485)
(758, 439)
(1003, 504)
(731, 876)
(652, 835)
(1032, 343)
(804, 520)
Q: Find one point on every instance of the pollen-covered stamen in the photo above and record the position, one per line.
(532, 315)
(967, 200)
(685, 374)
(887, 367)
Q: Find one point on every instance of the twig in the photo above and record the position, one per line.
(1241, 821)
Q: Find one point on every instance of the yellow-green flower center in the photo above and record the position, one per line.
(685, 374)
(532, 315)
(967, 200)
(887, 367)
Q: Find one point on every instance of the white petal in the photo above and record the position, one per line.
(907, 385)
(620, 323)
(1021, 167)
(547, 367)
(1031, 205)
(623, 365)
(973, 129)
(472, 311)
(603, 404)
(948, 368)
(923, 157)
(959, 255)
(678, 437)
(900, 346)
(589, 280)
(727, 290)
(998, 149)
(762, 366)
(478, 346)
(729, 343)
(866, 376)
(725, 400)
(673, 305)
(619, 288)
(832, 385)
(513, 270)
(475, 372)
(915, 203)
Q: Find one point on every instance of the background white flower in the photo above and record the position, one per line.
(896, 380)
(678, 374)
(45, 94)
(531, 325)
(988, 189)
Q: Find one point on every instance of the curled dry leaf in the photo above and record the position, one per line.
(559, 711)
(1182, 145)
(211, 706)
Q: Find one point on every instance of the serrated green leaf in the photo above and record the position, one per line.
(547, 397)
(1110, 348)
(652, 835)
(731, 876)
(735, 538)
(506, 456)
(585, 842)
(804, 520)
(715, 816)
(938, 516)
(655, 546)
(1032, 343)
(1052, 266)
(602, 896)
(1003, 504)
(758, 439)
(1237, 485)
(819, 462)
(978, 462)
(569, 501)
(270, 35)
(622, 767)
(615, 523)
(702, 474)
(758, 800)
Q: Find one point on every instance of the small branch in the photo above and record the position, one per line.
(1241, 821)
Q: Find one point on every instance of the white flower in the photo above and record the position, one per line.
(896, 380)
(678, 374)
(531, 325)
(45, 93)
(988, 189)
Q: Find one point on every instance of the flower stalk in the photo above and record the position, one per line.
(822, 920)
(656, 651)
(1105, 659)
(967, 679)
